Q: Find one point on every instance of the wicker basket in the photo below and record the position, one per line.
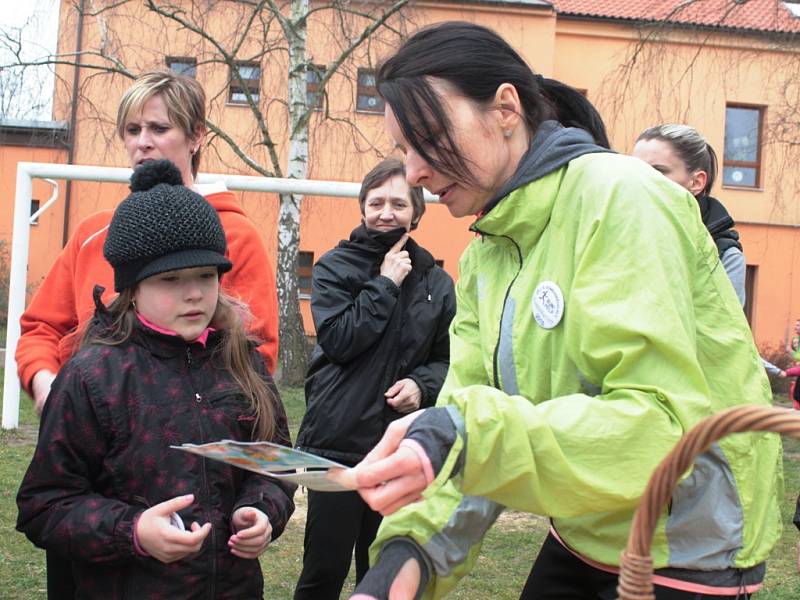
(636, 566)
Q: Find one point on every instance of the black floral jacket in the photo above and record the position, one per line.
(104, 456)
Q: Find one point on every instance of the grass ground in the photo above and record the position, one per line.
(500, 574)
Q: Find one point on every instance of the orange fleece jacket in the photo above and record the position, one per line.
(64, 300)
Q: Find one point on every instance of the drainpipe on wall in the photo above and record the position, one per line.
(73, 120)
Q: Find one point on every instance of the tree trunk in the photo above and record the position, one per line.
(293, 355)
(293, 349)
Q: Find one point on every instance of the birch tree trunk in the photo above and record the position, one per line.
(293, 354)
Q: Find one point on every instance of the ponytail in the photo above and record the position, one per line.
(572, 109)
(475, 61)
(711, 171)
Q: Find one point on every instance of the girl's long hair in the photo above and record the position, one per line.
(234, 352)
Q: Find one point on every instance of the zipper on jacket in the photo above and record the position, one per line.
(495, 359)
(428, 285)
(198, 398)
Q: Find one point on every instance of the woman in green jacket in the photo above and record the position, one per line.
(594, 327)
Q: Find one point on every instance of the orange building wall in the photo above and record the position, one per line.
(586, 54)
(46, 236)
(335, 153)
(775, 252)
(726, 70)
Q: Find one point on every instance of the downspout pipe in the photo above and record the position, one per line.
(73, 119)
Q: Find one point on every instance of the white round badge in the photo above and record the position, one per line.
(547, 304)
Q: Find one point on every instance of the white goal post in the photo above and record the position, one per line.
(27, 171)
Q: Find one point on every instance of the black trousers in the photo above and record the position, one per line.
(60, 583)
(558, 574)
(336, 523)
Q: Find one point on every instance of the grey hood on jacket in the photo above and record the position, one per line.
(552, 147)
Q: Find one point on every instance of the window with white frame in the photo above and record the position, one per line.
(741, 161)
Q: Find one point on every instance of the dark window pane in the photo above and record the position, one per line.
(34, 207)
(741, 134)
(239, 97)
(251, 80)
(304, 283)
(313, 77)
(366, 78)
(741, 176)
(313, 101)
(183, 67)
(370, 103)
(250, 72)
(367, 97)
(305, 259)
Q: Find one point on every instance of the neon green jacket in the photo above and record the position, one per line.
(570, 421)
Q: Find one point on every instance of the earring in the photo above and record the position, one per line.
(507, 133)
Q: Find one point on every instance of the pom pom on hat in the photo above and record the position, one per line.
(152, 173)
(162, 226)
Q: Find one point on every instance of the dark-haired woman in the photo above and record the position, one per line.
(590, 325)
(381, 309)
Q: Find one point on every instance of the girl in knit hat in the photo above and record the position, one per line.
(167, 362)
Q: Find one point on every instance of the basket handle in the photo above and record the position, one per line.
(636, 565)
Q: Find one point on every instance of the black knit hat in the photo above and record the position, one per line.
(162, 226)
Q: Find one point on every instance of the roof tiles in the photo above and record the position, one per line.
(756, 15)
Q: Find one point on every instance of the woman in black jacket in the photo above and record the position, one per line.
(381, 309)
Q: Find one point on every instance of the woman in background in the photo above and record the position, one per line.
(381, 309)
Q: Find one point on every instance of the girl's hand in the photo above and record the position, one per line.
(404, 396)
(161, 540)
(253, 532)
(397, 262)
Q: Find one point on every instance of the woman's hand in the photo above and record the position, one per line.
(397, 262)
(404, 396)
(161, 540)
(253, 532)
(390, 476)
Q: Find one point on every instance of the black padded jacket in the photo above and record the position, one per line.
(370, 334)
